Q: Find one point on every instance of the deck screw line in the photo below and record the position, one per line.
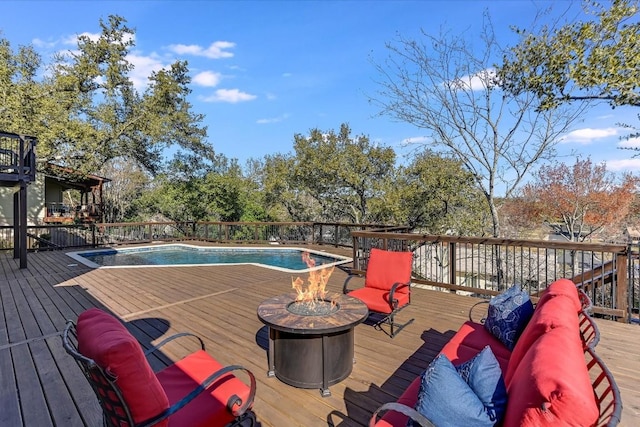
(30, 340)
(160, 307)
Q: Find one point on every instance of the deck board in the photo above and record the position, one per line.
(219, 304)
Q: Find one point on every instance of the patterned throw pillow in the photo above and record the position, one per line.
(509, 313)
(484, 376)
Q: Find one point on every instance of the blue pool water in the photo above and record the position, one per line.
(289, 259)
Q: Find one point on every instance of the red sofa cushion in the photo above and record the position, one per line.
(460, 354)
(563, 287)
(378, 299)
(556, 312)
(409, 398)
(551, 385)
(475, 336)
(104, 339)
(385, 268)
(209, 408)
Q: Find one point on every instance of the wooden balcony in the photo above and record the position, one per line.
(17, 159)
(41, 385)
(62, 213)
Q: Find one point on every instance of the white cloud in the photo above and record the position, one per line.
(479, 81)
(273, 120)
(229, 95)
(415, 140)
(216, 50)
(73, 40)
(143, 67)
(94, 37)
(65, 41)
(605, 117)
(627, 165)
(630, 143)
(286, 75)
(588, 135)
(44, 44)
(207, 79)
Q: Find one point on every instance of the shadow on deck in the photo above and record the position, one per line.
(42, 386)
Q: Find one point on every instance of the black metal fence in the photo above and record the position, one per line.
(610, 274)
(57, 236)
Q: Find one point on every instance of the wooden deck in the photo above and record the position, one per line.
(41, 386)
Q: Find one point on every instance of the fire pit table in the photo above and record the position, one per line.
(308, 349)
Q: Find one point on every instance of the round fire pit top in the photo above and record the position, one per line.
(274, 313)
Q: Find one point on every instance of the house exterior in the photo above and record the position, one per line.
(49, 197)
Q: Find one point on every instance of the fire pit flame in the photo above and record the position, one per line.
(311, 300)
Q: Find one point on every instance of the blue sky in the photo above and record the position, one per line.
(265, 70)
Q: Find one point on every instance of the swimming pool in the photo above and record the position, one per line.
(284, 259)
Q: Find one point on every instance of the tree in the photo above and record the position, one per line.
(579, 201)
(127, 184)
(434, 194)
(21, 95)
(593, 60)
(443, 86)
(221, 193)
(282, 196)
(86, 110)
(342, 174)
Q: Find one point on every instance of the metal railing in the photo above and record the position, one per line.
(486, 266)
(17, 157)
(105, 234)
(610, 274)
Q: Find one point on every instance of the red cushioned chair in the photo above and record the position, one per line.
(195, 391)
(387, 286)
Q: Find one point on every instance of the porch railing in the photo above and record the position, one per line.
(486, 266)
(17, 157)
(610, 274)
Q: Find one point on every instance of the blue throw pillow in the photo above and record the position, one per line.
(484, 376)
(509, 313)
(447, 400)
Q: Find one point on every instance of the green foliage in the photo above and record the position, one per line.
(340, 173)
(175, 200)
(592, 60)
(220, 194)
(86, 110)
(21, 96)
(437, 195)
(282, 195)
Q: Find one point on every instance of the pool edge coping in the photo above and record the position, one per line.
(76, 256)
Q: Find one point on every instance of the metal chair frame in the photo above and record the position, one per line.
(115, 409)
(388, 318)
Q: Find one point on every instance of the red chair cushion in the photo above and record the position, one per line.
(386, 268)
(104, 339)
(563, 287)
(378, 299)
(209, 408)
(551, 385)
(557, 312)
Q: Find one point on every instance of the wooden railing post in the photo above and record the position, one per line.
(356, 261)
(622, 286)
(452, 263)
